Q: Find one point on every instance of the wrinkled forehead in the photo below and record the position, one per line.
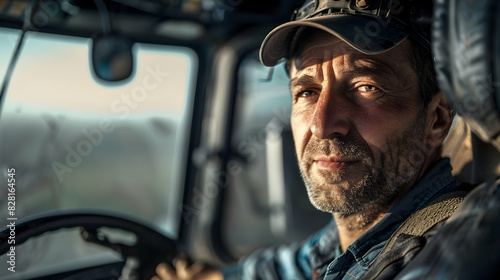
(314, 47)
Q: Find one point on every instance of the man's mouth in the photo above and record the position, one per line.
(333, 163)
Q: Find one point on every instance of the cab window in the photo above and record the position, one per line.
(77, 142)
(266, 190)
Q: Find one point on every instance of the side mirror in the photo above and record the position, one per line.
(111, 57)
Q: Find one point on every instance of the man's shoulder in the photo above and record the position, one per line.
(431, 242)
(467, 246)
(416, 232)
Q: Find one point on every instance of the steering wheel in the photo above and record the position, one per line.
(150, 248)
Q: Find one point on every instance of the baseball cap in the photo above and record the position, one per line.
(369, 26)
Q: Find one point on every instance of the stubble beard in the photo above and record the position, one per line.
(376, 186)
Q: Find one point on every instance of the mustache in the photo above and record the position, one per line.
(338, 147)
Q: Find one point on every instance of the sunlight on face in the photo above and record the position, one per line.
(356, 119)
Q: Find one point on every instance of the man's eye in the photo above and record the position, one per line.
(368, 88)
(306, 93)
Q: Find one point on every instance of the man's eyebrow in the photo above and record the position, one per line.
(372, 67)
(301, 80)
(364, 67)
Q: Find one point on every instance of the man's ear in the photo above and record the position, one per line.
(439, 119)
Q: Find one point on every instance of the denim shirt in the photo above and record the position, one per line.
(319, 257)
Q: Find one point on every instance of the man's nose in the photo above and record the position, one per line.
(331, 116)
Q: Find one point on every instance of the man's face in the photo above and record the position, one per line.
(357, 122)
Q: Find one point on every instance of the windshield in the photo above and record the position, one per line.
(77, 142)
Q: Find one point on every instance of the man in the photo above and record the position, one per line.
(368, 122)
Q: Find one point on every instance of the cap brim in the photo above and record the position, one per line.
(363, 33)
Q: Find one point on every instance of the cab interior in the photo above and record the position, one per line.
(193, 142)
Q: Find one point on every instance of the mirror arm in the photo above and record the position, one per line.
(104, 15)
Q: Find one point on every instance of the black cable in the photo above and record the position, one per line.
(10, 68)
(17, 51)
